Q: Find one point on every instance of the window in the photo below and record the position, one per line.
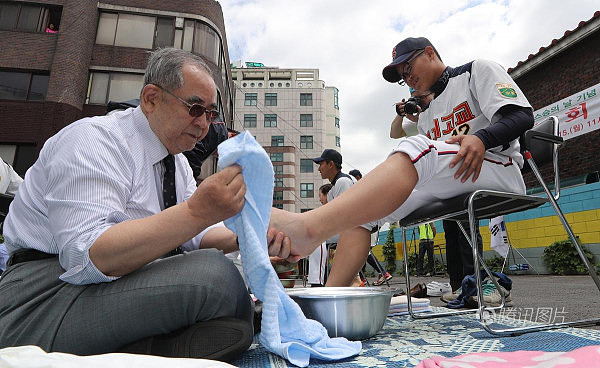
(188, 35)
(135, 31)
(23, 86)
(206, 42)
(144, 31)
(104, 87)
(278, 195)
(306, 99)
(307, 190)
(337, 141)
(278, 205)
(278, 170)
(28, 17)
(270, 99)
(306, 141)
(306, 165)
(337, 122)
(306, 120)
(335, 98)
(277, 141)
(250, 99)
(165, 32)
(270, 120)
(278, 183)
(276, 156)
(249, 120)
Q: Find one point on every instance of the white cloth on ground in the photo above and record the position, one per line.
(399, 305)
(285, 330)
(35, 357)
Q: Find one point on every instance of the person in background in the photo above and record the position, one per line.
(426, 234)
(356, 173)
(317, 261)
(51, 29)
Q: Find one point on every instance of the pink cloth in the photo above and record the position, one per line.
(48, 30)
(588, 356)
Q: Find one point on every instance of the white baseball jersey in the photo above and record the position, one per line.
(340, 183)
(471, 100)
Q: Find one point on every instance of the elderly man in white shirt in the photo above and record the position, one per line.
(108, 233)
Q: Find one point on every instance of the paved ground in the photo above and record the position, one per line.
(571, 297)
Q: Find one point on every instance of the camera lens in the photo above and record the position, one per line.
(410, 107)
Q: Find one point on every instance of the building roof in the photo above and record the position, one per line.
(569, 38)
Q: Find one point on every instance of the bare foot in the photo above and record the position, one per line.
(303, 240)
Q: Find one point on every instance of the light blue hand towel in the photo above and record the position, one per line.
(285, 330)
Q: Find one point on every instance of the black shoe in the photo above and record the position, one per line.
(219, 339)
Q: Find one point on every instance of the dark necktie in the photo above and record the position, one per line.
(169, 192)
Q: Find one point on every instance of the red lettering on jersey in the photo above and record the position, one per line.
(436, 130)
(449, 120)
(462, 113)
(459, 115)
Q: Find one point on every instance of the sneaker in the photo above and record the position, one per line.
(381, 280)
(492, 297)
(435, 288)
(452, 295)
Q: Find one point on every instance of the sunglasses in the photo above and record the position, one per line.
(408, 67)
(195, 110)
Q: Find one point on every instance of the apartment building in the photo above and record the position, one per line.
(294, 116)
(93, 53)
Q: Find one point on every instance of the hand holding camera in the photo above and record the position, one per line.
(409, 108)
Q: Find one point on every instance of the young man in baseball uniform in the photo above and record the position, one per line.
(468, 141)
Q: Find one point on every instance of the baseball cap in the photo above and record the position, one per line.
(401, 53)
(330, 155)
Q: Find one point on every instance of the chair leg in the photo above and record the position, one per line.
(408, 298)
(515, 331)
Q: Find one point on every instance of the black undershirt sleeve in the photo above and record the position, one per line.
(514, 122)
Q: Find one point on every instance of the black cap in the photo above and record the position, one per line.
(330, 155)
(401, 53)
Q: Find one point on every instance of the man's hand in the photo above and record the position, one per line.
(400, 110)
(280, 246)
(219, 196)
(471, 154)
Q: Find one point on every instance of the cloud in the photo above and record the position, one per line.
(351, 41)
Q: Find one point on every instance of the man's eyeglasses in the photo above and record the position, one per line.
(408, 67)
(195, 110)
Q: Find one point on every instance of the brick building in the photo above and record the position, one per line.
(566, 66)
(98, 54)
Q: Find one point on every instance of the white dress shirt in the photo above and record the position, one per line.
(93, 174)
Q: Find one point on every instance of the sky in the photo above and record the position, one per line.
(350, 42)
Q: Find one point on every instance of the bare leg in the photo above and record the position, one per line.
(375, 196)
(352, 250)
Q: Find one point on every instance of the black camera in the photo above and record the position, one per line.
(410, 107)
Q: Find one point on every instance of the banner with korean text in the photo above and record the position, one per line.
(577, 114)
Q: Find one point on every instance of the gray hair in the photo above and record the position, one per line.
(165, 67)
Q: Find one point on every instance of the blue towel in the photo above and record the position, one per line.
(285, 330)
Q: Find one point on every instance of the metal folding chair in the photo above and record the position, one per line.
(541, 142)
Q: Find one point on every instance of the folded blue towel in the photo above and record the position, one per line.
(285, 330)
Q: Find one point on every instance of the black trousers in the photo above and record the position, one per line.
(425, 245)
(459, 253)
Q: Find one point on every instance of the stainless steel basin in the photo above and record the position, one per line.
(355, 313)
